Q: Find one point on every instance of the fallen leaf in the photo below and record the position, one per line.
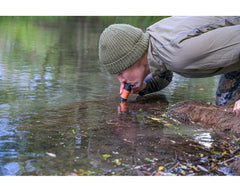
(158, 173)
(81, 171)
(193, 167)
(167, 124)
(164, 115)
(160, 168)
(105, 156)
(215, 153)
(155, 119)
(224, 153)
(73, 174)
(184, 167)
(117, 161)
(149, 160)
(183, 172)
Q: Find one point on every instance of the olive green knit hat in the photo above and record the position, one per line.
(120, 46)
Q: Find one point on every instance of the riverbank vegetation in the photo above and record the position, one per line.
(138, 21)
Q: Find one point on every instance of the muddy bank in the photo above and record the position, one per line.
(198, 112)
(221, 118)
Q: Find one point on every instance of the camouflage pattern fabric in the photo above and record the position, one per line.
(228, 91)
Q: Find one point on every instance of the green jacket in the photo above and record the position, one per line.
(195, 46)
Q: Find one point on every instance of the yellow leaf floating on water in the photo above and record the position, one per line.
(117, 161)
(81, 171)
(156, 119)
(224, 153)
(167, 124)
(160, 168)
(73, 174)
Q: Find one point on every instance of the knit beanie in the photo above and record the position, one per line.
(120, 46)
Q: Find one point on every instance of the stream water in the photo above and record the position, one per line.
(59, 109)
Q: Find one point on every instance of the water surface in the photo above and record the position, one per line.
(59, 108)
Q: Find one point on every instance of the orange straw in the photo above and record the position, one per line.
(125, 94)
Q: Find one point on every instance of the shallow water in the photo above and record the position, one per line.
(59, 109)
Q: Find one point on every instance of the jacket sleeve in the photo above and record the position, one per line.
(157, 83)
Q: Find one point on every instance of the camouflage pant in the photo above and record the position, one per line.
(228, 91)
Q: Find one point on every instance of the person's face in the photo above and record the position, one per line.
(134, 75)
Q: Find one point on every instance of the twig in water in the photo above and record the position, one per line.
(106, 173)
(231, 159)
(202, 168)
(169, 170)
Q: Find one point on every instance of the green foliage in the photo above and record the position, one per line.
(35, 19)
(138, 21)
(24, 36)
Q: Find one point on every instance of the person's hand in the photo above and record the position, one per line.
(121, 88)
(136, 90)
(236, 108)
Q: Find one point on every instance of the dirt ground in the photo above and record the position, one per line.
(219, 117)
(222, 118)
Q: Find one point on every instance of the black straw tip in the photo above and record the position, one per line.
(128, 87)
(122, 100)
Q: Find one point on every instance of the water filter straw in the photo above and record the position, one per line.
(126, 91)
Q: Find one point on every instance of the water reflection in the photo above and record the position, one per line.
(79, 138)
(50, 64)
(197, 89)
(204, 139)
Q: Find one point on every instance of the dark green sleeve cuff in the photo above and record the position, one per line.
(157, 83)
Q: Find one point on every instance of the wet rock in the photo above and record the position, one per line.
(193, 111)
(11, 169)
(29, 167)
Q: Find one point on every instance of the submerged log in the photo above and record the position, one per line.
(193, 111)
